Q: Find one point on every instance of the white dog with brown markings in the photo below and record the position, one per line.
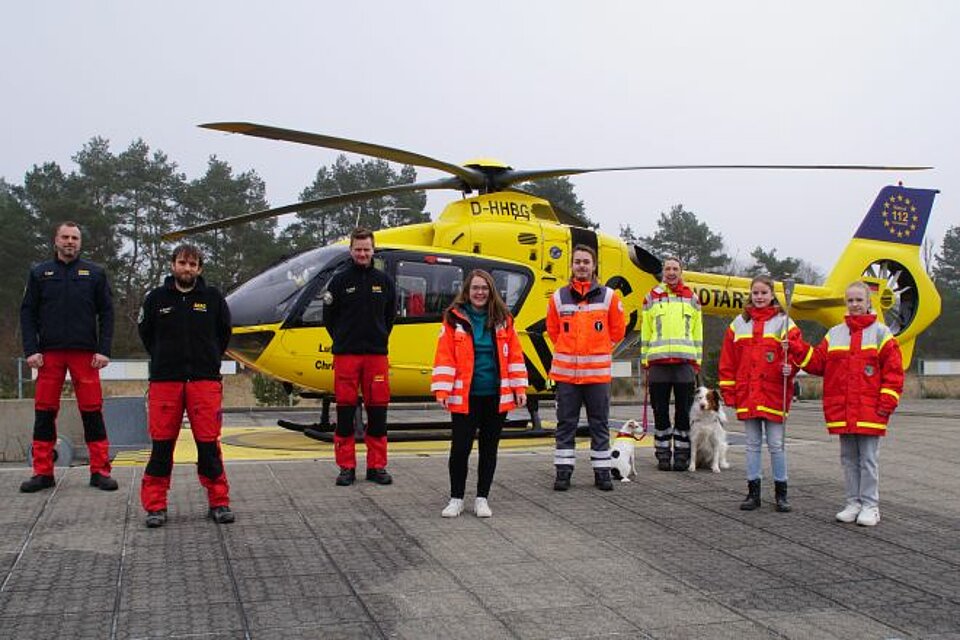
(622, 466)
(708, 438)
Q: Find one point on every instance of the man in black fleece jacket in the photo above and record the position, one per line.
(359, 317)
(185, 327)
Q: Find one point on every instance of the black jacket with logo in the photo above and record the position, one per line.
(361, 314)
(67, 305)
(185, 334)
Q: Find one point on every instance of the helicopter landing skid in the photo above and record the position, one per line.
(433, 431)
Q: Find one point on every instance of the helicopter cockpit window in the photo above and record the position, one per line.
(269, 297)
(425, 290)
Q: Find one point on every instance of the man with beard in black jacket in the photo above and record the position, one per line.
(359, 316)
(185, 327)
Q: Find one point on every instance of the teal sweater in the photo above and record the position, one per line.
(486, 379)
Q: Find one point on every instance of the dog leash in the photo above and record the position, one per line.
(646, 398)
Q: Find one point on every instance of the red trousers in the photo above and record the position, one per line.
(202, 400)
(370, 374)
(86, 386)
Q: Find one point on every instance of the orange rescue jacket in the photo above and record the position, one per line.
(453, 363)
(584, 321)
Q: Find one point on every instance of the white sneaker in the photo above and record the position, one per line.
(481, 508)
(849, 513)
(453, 508)
(869, 517)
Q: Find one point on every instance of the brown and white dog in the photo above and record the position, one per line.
(708, 439)
(622, 465)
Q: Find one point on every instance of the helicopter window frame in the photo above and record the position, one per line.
(425, 290)
(514, 282)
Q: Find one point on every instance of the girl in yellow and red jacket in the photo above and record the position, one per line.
(752, 377)
(478, 375)
(862, 371)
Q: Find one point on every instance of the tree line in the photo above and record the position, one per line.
(124, 202)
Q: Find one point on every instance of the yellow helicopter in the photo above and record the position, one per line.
(525, 243)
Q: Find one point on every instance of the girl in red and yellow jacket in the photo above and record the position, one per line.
(862, 371)
(478, 375)
(753, 375)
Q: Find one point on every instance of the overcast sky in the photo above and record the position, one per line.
(551, 83)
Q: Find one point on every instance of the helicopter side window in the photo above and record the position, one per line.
(424, 290)
(511, 286)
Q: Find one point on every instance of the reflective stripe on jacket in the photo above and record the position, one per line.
(862, 371)
(672, 330)
(584, 329)
(453, 363)
(751, 364)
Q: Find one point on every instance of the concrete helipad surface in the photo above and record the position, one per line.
(669, 556)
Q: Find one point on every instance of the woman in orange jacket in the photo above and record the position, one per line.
(752, 378)
(862, 371)
(478, 375)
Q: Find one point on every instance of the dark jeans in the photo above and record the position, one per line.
(484, 416)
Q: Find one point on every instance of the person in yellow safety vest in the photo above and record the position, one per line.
(672, 350)
(584, 321)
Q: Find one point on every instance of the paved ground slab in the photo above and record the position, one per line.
(669, 556)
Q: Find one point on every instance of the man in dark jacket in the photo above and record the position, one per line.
(185, 327)
(359, 317)
(67, 323)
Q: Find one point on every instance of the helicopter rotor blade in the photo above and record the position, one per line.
(340, 198)
(512, 177)
(471, 177)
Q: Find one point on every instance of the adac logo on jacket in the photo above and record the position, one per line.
(83, 272)
(200, 307)
(376, 288)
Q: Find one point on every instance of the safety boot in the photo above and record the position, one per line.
(601, 478)
(156, 519)
(564, 473)
(780, 493)
(681, 461)
(752, 501)
(346, 477)
(102, 482)
(663, 459)
(379, 476)
(221, 515)
(37, 483)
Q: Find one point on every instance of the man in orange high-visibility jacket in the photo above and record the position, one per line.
(584, 321)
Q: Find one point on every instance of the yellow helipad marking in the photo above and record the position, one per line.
(276, 443)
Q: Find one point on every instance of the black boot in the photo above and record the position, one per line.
(663, 459)
(601, 478)
(564, 472)
(752, 501)
(681, 460)
(780, 492)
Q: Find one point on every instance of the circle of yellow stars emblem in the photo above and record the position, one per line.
(899, 216)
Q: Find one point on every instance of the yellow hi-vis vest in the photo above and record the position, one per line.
(672, 329)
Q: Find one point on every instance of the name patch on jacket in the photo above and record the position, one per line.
(376, 288)
(83, 272)
(200, 306)
(164, 310)
(350, 289)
